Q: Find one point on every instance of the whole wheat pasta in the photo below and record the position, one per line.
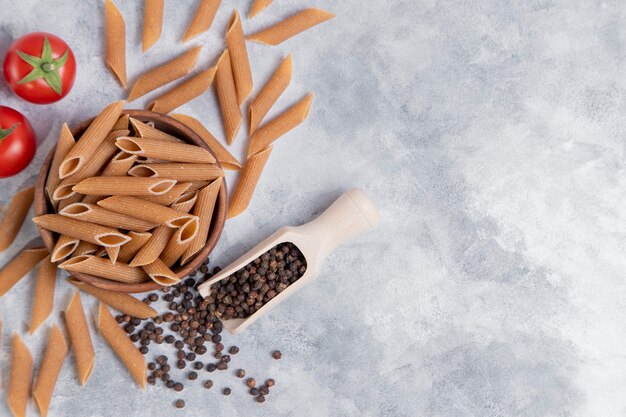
(178, 172)
(165, 151)
(258, 6)
(239, 60)
(145, 210)
(50, 369)
(20, 378)
(153, 248)
(248, 180)
(202, 19)
(122, 302)
(86, 248)
(196, 185)
(291, 26)
(93, 213)
(184, 93)
(146, 131)
(129, 250)
(82, 346)
(122, 346)
(122, 123)
(64, 247)
(175, 248)
(89, 232)
(115, 33)
(64, 144)
(270, 93)
(227, 94)
(281, 124)
(227, 160)
(43, 300)
(113, 253)
(91, 140)
(119, 165)
(14, 216)
(152, 23)
(171, 196)
(104, 268)
(161, 273)
(204, 207)
(20, 266)
(123, 186)
(75, 198)
(165, 73)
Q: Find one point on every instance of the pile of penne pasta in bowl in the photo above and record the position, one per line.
(130, 201)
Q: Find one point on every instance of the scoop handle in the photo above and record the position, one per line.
(352, 213)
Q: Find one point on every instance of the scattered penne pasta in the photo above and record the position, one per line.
(171, 196)
(281, 124)
(178, 172)
(152, 23)
(165, 151)
(20, 378)
(161, 273)
(122, 346)
(124, 186)
(82, 346)
(291, 26)
(148, 211)
(14, 216)
(204, 207)
(239, 60)
(227, 94)
(89, 232)
(49, 371)
(250, 175)
(19, 266)
(122, 302)
(64, 144)
(165, 73)
(129, 250)
(270, 93)
(202, 19)
(104, 268)
(150, 132)
(86, 248)
(258, 6)
(184, 93)
(115, 33)
(64, 247)
(43, 299)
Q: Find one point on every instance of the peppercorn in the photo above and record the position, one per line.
(251, 382)
(222, 366)
(170, 384)
(254, 391)
(169, 339)
(226, 391)
(181, 364)
(192, 375)
(152, 366)
(153, 297)
(264, 390)
(178, 387)
(208, 384)
(180, 403)
(144, 350)
(151, 380)
(260, 399)
(179, 344)
(233, 350)
(270, 382)
(165, 368)
(277, 354)
(211, 367)
(240, 373)
(201, 350)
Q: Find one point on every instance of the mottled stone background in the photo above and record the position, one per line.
(491, 134)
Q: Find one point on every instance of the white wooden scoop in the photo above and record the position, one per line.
(351, 214)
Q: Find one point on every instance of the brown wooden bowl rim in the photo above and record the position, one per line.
(217, 223)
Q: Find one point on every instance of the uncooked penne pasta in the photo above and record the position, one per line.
(146, 131)
(122, 302)
(258, 6)
(204, 207)
(239, 60)
(152, 23)
(80, 337)
(43, 300)
(20, 266)
(196, 185)
(64, 247)
(281, 124)
(115, 33)
(122, 346)
(153, 248)
(227, 94)
(165, 73)
(20, 378)
(89, 232)
(178, 172)
(64, 144)
(291, 26)
(270, 93)
(145, 210)
(171, 196)
(123, 186)
(227, 160)
(14, 216)
(50, 369)
(113, 253)
(86, 248)
(161, 273)
(69, 201)
(165, 151)
(184, 93)
(248, 180)
(119, 165)
(122, 123)
(93, 213)
(202, 19)
(104, 268)
(129, 250)
(175, 248)
(91, 140)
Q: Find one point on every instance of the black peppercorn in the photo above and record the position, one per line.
(211, 367)
(178, 387)
(208, 384)
(251, 382)
(226, 391)
(180, 403)
(277, 354)
(240, 373)
(181, 364)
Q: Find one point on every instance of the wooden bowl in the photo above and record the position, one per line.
(167, 125)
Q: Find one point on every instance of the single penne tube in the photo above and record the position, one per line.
(115, 34)
(64, 144)
(227, 95)
(145, 210)
(89, 232)
(123, 186)
(258, 6)
(161, 273)
(122, 302)
(270, 93)
(104, 268)
(86, 248)
(43, 299)
(49, 370)
(91, 140)
(290, 27)
(280, 125)
(153, 248)
(227, 160)
(178, 172)
(250, 175)
(152, 23)
(202, 18)
(121, 345)
(19, 266)
(204, 207)
(165, 151)
(64, 247)
(20, 378)
(113, 253)
(239, 61)
(192, 88)
(14, 216)
(165, 73)
(129, 250)
(144, 130)
(80, 337)
(171, 196)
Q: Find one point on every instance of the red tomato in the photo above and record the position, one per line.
(17, 142)
(40, 68)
